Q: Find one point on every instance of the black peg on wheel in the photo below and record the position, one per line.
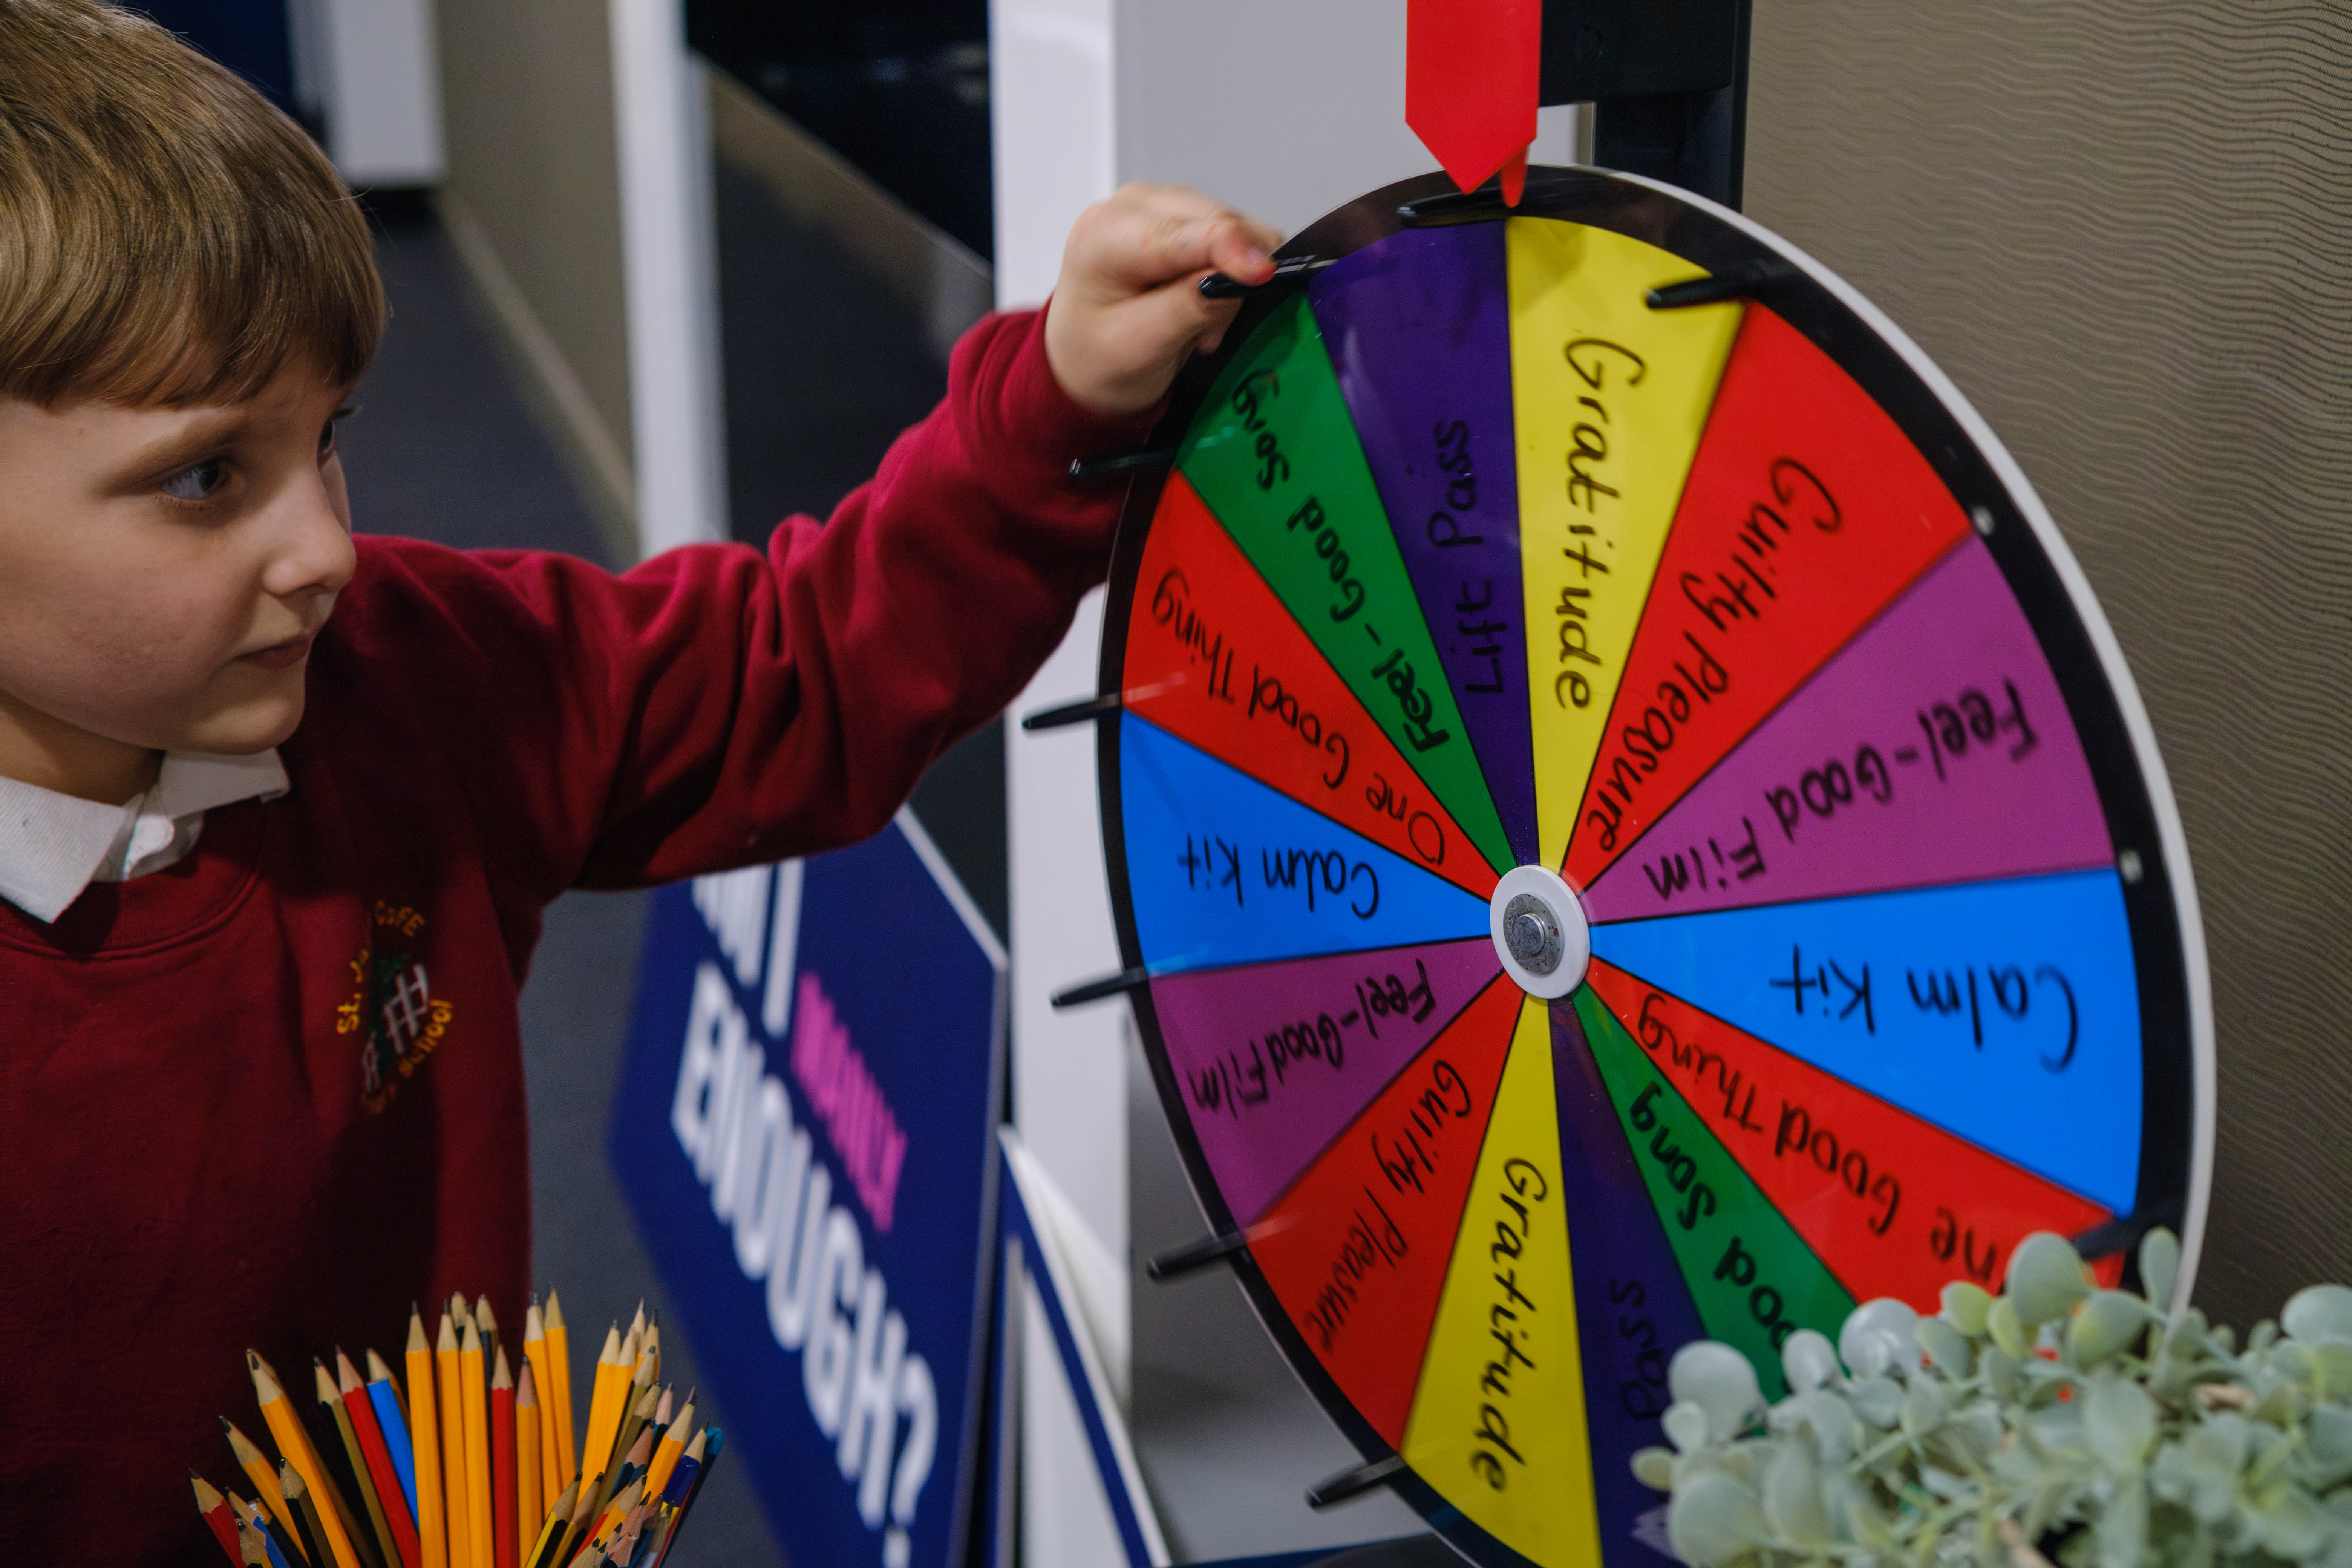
(1353, 1482)
(1712, 290)
(1110, 465)
(1072, 712)
(1193, 1256)
(2122, 1234)
(1096, 990)
(1295, 273)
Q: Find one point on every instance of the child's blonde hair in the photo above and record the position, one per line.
(166, 237)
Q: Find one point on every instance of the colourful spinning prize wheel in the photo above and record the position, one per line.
(1636, 830)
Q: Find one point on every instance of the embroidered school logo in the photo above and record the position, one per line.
(391, 1008)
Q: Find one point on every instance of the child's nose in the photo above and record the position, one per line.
(312, 552)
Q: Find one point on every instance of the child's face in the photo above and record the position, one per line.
(163, 572)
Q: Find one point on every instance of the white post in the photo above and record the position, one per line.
(370, 65)
(668, 250)
(1050, 108)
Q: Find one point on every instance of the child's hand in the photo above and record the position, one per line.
(1127, 311)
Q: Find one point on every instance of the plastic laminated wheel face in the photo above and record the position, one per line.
(1638, 831)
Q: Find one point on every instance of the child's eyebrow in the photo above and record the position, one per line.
(206, 430)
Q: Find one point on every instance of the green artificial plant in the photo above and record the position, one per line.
(2057, 1421)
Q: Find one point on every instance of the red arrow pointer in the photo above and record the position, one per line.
(1470, 86)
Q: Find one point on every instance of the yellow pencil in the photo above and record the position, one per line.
(326, 1495)
(604, 1406)
(294, 1447)
(527, 1430)
(454, 1504)
(653, 1342)
(257, 1470)
(537, 1356)
(673, 1443)
(425, 1441)
(558, 1372)
(481, 1546)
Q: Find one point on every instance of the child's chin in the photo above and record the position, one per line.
(252, 727)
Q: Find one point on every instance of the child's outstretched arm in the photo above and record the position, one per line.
(718, 707)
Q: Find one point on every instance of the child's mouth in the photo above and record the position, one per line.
(283, 655)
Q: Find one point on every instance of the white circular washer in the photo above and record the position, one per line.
(1539, 930)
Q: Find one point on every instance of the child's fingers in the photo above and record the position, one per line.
(1169, 320)
(1146, 235)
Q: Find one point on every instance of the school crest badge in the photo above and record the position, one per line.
(392, 1008)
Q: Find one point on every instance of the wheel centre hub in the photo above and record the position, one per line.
(1539, 930)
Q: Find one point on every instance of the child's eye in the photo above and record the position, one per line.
(198, 482)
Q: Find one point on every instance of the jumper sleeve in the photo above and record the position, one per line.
(717, 707)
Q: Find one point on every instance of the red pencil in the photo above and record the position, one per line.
(215, 1508)
(364, 1427)
(507, 1546)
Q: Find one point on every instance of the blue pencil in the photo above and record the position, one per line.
(385, 1396)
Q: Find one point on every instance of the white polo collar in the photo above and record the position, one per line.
(53, 846)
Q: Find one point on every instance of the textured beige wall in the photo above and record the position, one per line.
(2127, 231)
(533, 200)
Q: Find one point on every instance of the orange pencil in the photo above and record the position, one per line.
(256, 1469)
(502, 1463)
(559, 1370)
(455, 1502)
(425, 1440)
(215, 1508)
(538, 1358)
(474, 1382)
(294, 1447)
(604, 1408)
(389, 1496)
(527, 1429)
(673, 1443)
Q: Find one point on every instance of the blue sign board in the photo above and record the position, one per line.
(806, 1126)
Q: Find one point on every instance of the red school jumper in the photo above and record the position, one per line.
(271, 1095)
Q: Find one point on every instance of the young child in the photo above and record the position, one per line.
(279, 807)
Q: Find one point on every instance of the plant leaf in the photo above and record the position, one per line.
(2322, 1314)
(1809, 1361)
(2122, 1528)
(1887, 1324)
(1720, 1381)
(2119, 1423)
(2008, 1328)
(1655, 1468)
(1792, 1496)
(1965, 1306)
(1687, 1426)
(2107, 1324)
(2045, 1278)
(1713, 1519)
(2159, 1267)
(1947, 1347)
